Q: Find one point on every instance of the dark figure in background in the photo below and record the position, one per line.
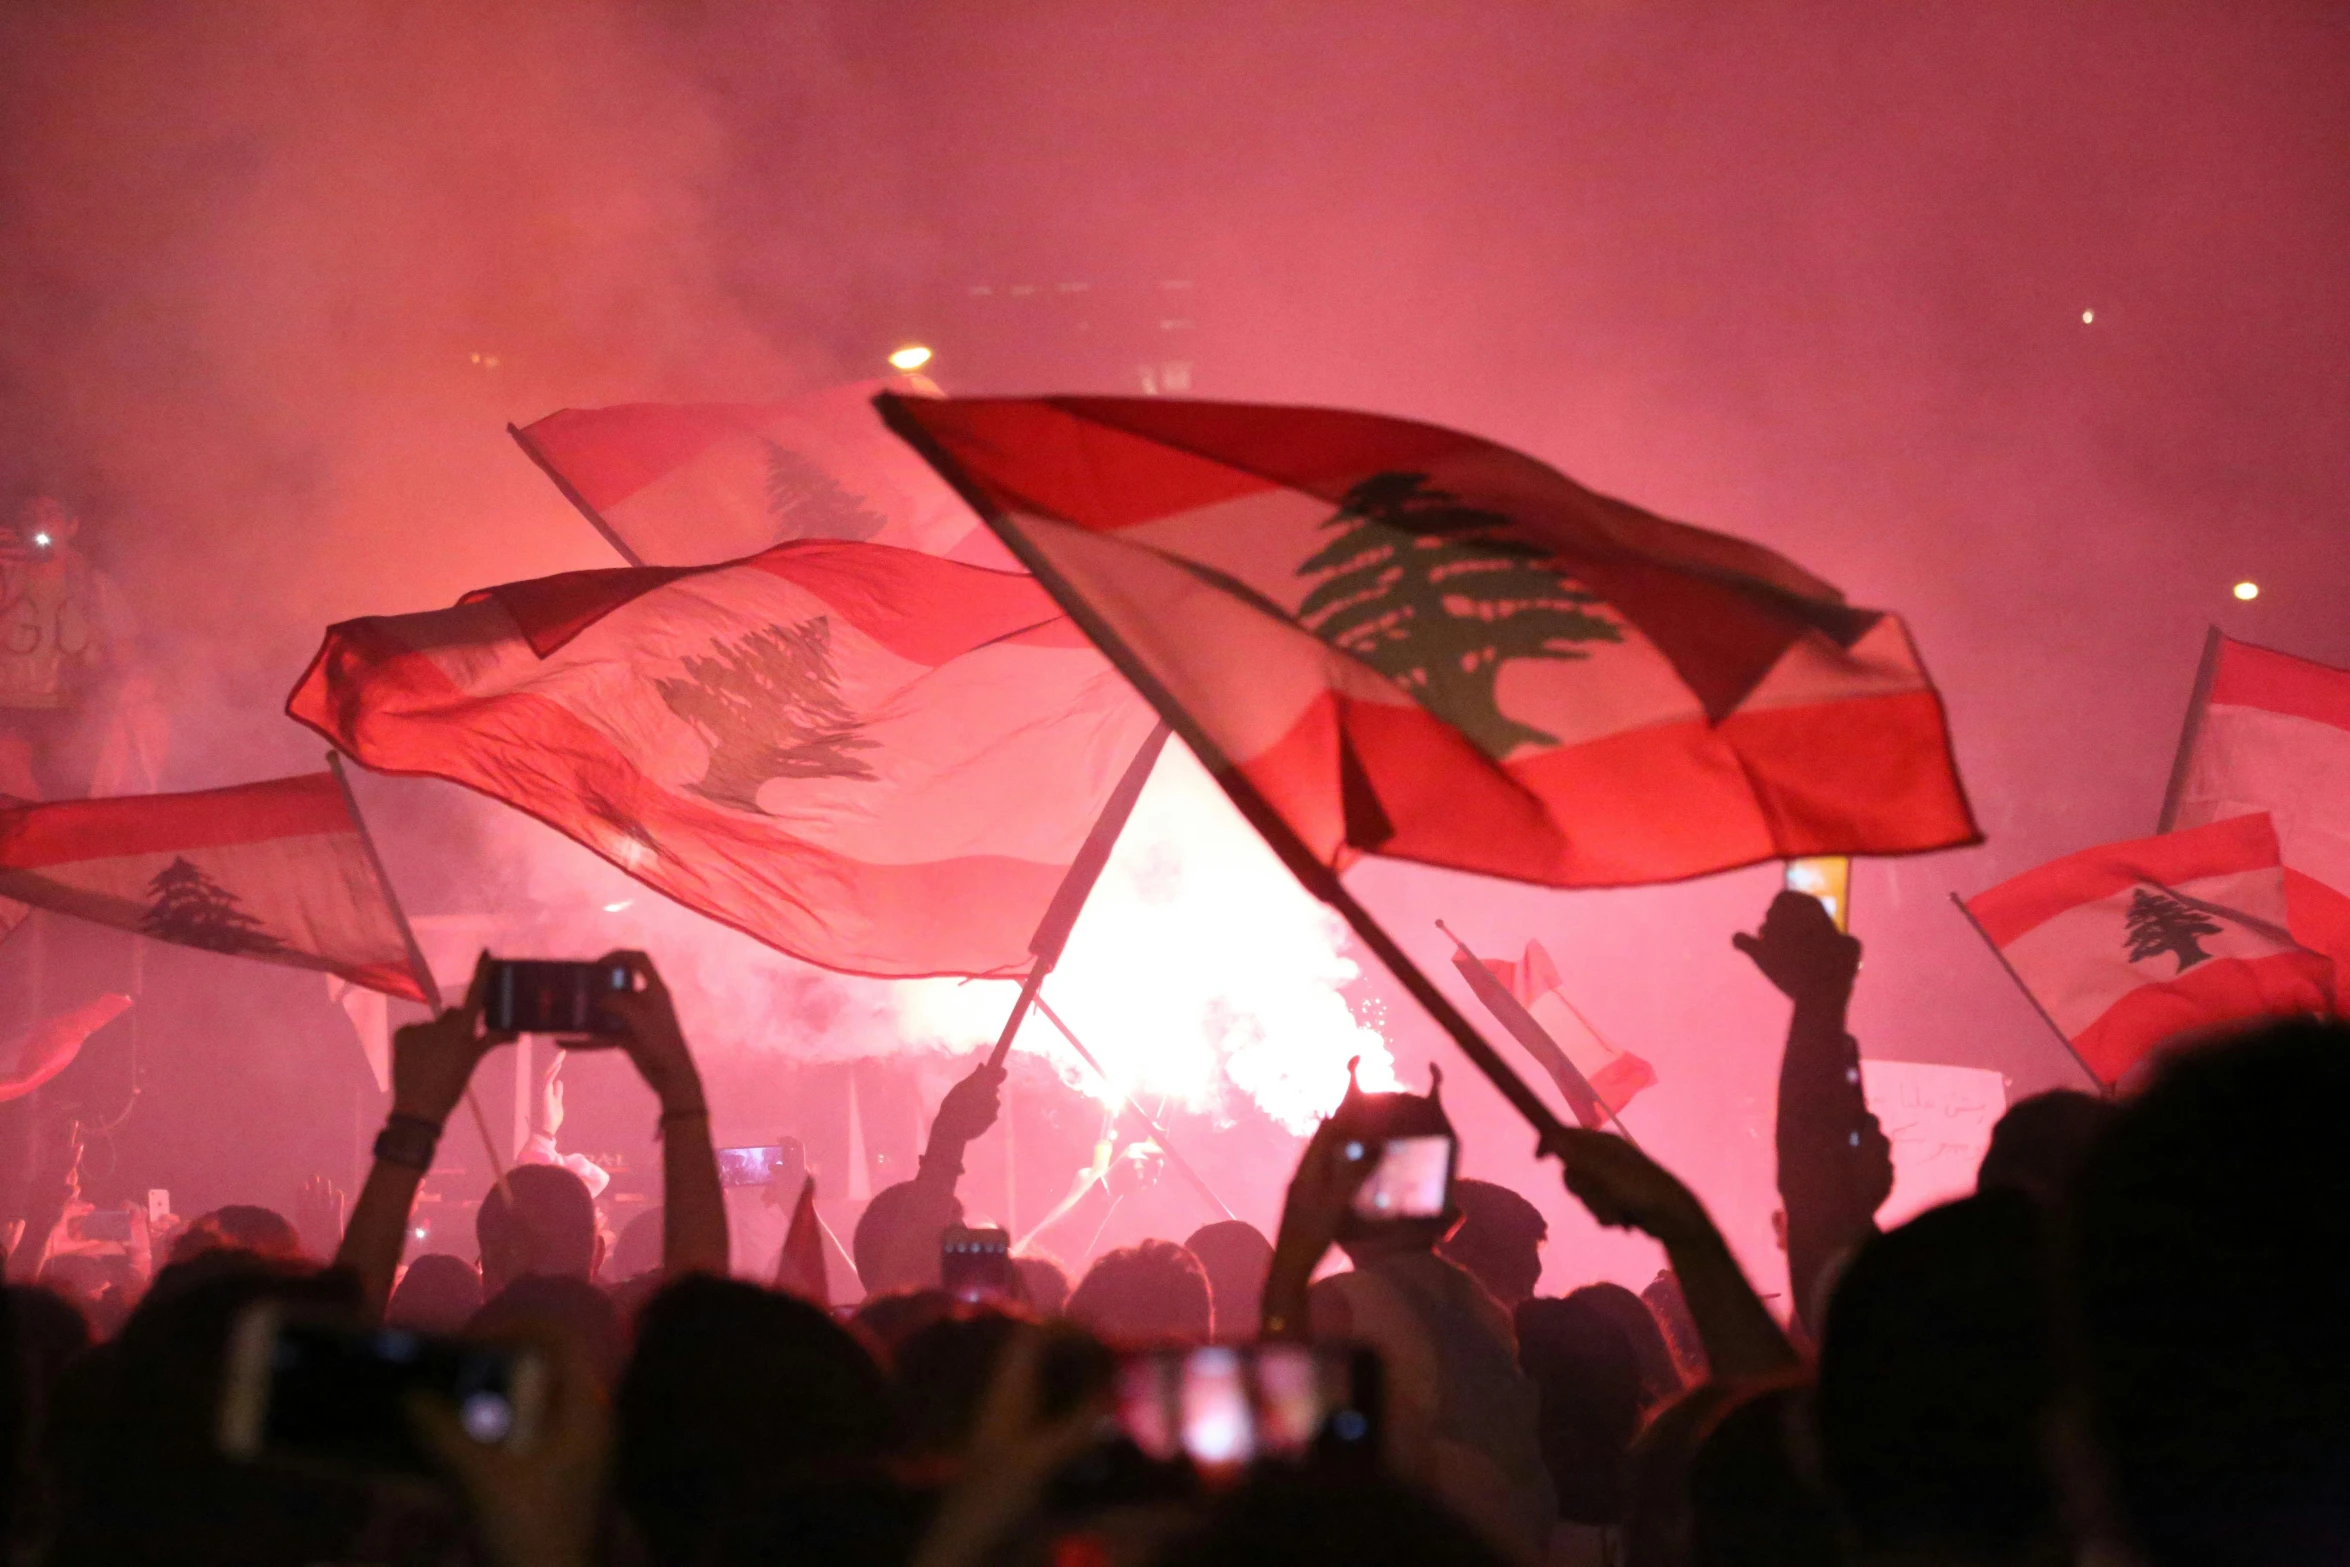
(1498, 1241)
(1151, 1293)
(549, 1229)
(1835, 1163)
(437, 1294)
(1236, 1256)
(2209, 1248)
(2040, 1143)
(1660, 1374)
(1589, 1385)
(1936, 1375)
(897, 1239)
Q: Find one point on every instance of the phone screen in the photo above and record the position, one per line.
(1411, 1181)
(976, 1264)
(529, 996)
(761, 1165)
(1223, 1406)
(329, 1392)
(1827, 877)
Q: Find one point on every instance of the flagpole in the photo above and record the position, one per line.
(1535, 1023)
(419, 970)
(2102, 1088)
(1316, 877)
(1060, 916)
(530, 450)
(1158, 1133)
(2197, 702)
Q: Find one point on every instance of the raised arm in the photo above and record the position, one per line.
(54, 1182)
(693, 1206)
(1835, 1166)
(431, 1063)
(1625, 1188)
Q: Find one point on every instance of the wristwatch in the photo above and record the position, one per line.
(408, 1141)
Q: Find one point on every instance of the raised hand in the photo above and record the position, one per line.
(650, 1035)
(1332, 1169)
(1800, 950)
(550, 1108)
(318, 1215)
(432, 1061)
(534, 1506)
(970, 1107)
(1625, 1189)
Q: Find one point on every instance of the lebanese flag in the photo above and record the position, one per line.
(2127, 945)
(49, 1046)
(1614, 1075)
(2272, 733)
(1411, 642)
(873, 759)
(799, 1267)
(694, 484)
(277, 871)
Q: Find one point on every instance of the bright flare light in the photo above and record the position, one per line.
(910, 358)
(40, 541)
(2088, 316)
(2247, 591)
(1201, 970)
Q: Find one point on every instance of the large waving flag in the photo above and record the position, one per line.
(693, 484)
(2127, 945)
(278, 871)
(873, 759)
(1411, 642)
(49, 1046)
(2271, 733)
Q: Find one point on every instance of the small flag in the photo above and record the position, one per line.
(1494, 990)
(693, 484)
(2127, 945)
(1615, 1075)
(799, 1269)
(48, 1047)
(276, 871)
(2272, 734)
(1410, 642)
(873, 759)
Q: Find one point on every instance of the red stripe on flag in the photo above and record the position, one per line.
(608, 454)
(61, 831)
(2007, 911)
(2222, 992)
(2250, 676)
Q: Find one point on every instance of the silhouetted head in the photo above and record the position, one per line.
(1284, 1518)
(1498, 1241)
(1588, 1382)
(1044, 1284)
(550, 1229)
(1935, 1376)
(2039, 1144)
(241, 1226)
(734, 1393)
(567, 1305)
(436, 1295)
(1152, 1293)
(1660, 1373)
(2210, 1265)
(943, 1371)
(1236, 1257)
(638, 1250)
(887, 1254)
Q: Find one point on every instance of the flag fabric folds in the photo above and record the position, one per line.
(2272, 734)
(49, 1046)
(694, 484)
(873, 759)
(799, 1267)
(277, 871)
(1411, 642)
(2127, 945)
(1614, 1075)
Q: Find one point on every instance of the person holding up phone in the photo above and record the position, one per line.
(1376, 1180)
(432, 1062)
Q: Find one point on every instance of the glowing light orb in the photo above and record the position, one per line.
(2088, 316)
(909, 358)
(40, 541)
(2247, 591)
(615, 908)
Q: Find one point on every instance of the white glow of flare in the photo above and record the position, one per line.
(909, 358)
(1200, 968)
(2247, 591)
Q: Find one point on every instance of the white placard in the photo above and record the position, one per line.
(1940, 1120)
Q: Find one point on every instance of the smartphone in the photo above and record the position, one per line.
(765, 1163)
(319, 1390)
(976, 1265)
(529, 996)
(1412, 1180)
(105, 1224)
(1827, 877)
(1222, 1407)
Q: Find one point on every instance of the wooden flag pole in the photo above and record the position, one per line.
(418, 969)
(2102, 1087)
(1060, 916)
(1158, 1133)
(1316, 877)
(2198, 701)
